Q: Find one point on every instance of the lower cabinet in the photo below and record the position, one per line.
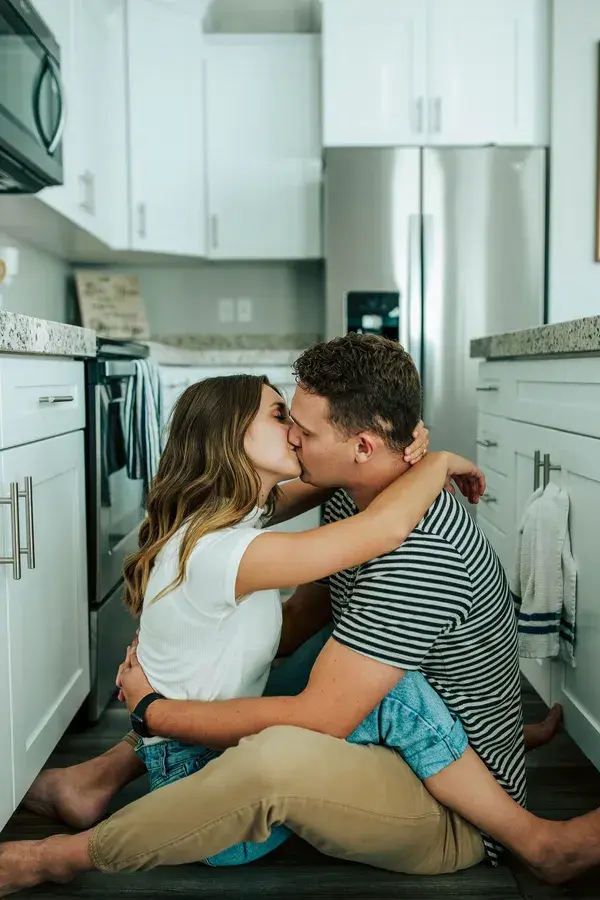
(573, 464)
(44, 647)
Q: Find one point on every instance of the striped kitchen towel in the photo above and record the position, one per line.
(142, 418)
(545, 579)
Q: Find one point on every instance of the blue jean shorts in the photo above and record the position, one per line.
(412, 719)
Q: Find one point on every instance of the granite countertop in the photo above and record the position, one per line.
(560, 339)
(24, 334)
(229, 350)
(179, 356)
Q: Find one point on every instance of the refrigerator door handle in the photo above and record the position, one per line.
(411, 324)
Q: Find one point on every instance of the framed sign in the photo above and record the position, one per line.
(111, 304)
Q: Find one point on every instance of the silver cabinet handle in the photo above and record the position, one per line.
(435, 115)
(488, 498)
(30, 548)
(486, 443)
(419, 116)
(214, 231)
(86, 187)
(15, 530)
(83, 201)
(67, 398)
(91, 193)
(141, 211)
(548, 467)
(487, 387)
(180, 384)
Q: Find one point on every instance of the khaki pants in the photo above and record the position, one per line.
(360, 803)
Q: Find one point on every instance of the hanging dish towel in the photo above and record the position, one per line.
(142, 417)
(545, 578)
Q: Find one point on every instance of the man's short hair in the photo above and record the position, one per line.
(370, 382)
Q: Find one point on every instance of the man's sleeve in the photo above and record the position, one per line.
(404, 601)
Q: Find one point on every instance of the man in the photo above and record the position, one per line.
(438, 603)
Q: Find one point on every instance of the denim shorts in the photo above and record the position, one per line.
(412, 719)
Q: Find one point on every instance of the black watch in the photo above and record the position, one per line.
(138, 716)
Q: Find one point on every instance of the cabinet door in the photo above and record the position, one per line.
(374, 72)
(7, 799)
(47, 607)
(99, 111)
(263, 145)
(579, 474)
(488, 72)
(164, 50)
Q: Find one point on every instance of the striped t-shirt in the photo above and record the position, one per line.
(441, 604)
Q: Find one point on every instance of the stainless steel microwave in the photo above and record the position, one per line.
(32, 102)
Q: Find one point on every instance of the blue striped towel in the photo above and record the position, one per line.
(544, 584)
(142, 419)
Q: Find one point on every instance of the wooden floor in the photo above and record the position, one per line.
(562, 783)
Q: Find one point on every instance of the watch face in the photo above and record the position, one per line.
(137, 723)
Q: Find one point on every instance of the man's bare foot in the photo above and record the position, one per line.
(567, 849)
(79, 795)
(542, 732)
(60, 794)
(24, 864)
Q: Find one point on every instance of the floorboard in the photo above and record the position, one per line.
(562, 783)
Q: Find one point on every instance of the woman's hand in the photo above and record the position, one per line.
(134, 685)
(419, 446)
(468, 478)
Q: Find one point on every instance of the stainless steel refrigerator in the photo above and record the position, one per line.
(435, 247)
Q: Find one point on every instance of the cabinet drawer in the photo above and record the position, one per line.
(493, 446)
(495, 504)
(39, 398)
(500, 541)
(492, 388)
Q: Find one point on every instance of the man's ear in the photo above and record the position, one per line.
(365, 447)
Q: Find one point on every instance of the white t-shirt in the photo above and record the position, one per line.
(197, 642)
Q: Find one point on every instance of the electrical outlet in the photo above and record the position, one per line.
(244, 309)
(226, 311)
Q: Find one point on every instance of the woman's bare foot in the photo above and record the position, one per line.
(542, 732)
(24, 864)
(79, 795)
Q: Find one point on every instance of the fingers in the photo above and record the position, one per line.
(417, 450)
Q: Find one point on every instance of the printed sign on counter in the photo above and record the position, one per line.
(112, 305)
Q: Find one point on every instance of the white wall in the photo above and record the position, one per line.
(574, 277)
(40, 286)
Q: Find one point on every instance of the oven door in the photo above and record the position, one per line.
(32, 104)
(116, 499)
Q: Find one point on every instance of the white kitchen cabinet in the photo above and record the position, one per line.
(488, 72)
(374, 72)
(435, 72)
(562, 397)
(263, 147)
(91, 38)
(164, 56)
(7, 800)
(47, 607)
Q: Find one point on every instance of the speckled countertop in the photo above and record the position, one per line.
(229, 350)
(24, 334)
(560, 339)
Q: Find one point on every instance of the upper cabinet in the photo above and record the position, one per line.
(374, 72)
(435, 72)
(263, 147)
(164, 53)
(91, 37)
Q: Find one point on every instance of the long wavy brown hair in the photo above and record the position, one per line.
(205, 479)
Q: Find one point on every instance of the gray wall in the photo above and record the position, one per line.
(40, 286)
